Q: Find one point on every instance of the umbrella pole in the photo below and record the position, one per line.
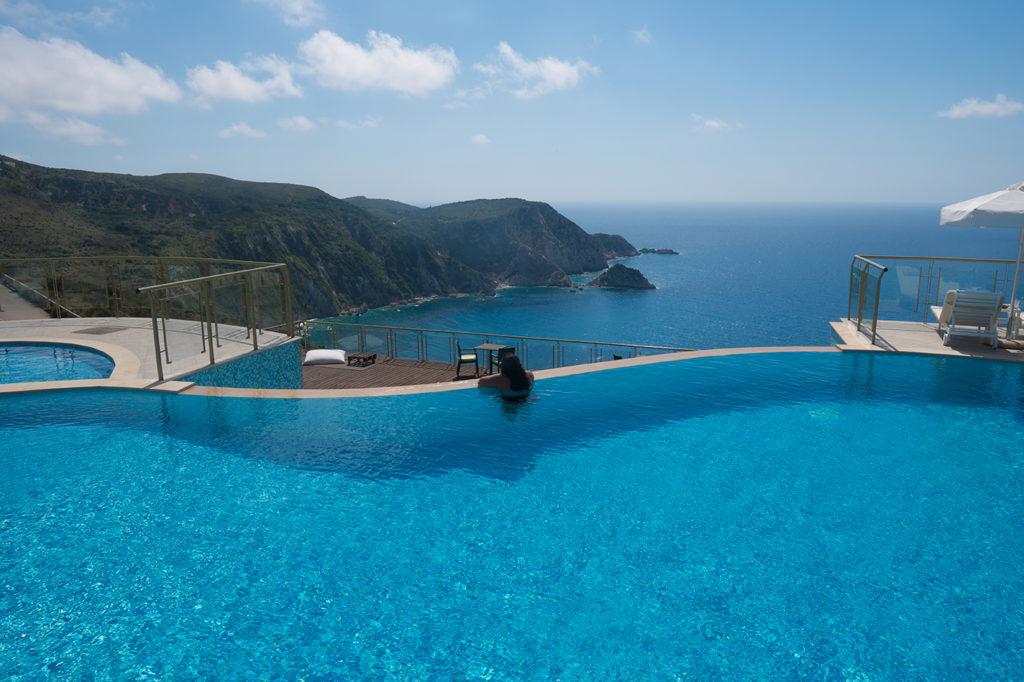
(1012, 323)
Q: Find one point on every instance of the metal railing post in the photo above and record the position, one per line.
(213, 312)
(156, 337)
(251, 310)
(286, 294)
(51, 286)
(860, 298)
(849, 298)
(206, 289)
(928, 293)
(163, 324)
(917, 298)
(878, 295)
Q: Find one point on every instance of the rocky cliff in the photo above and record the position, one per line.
(513, 241)
(615, 246)
(340, 254)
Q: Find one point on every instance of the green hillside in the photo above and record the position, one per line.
(341, 254)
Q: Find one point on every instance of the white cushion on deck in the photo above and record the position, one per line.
(324, 356)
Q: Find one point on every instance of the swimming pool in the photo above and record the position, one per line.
(820, 515)
(51, 362)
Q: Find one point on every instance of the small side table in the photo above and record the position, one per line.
(491, 349)
(361, 359)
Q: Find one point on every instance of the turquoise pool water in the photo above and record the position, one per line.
(51, 362)
(797, 515)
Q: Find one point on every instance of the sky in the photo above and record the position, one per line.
(574, 101)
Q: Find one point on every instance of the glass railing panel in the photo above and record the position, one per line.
(911, 288)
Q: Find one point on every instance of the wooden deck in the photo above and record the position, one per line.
(380, 374)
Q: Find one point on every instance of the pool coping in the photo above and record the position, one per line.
(126, 379)
(540, 375)
(126, 363)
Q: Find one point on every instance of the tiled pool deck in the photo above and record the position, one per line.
(128, 341)
(920, 338)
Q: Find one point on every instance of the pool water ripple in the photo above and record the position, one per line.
(801, 515)
(51, 362)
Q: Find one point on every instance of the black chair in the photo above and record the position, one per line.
(466, 358)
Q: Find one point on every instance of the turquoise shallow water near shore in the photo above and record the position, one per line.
(797, 515)
(746, 276)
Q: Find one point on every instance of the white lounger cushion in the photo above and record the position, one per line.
(972, 313)
(324, 356)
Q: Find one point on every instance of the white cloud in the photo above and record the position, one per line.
(464, 96)
(642, 36)
(384, 64)
(368, 122)
(480, 139)
(70, 128)
(227, 81)
(533, 78)
(193, 156)
(242, 129)
(62, 75)
(1000, 107)
(297, 123)
(713, 124)
(297, 13)
(34, 15)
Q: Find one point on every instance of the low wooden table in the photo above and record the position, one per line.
(361, 359)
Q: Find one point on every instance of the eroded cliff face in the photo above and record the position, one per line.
(341, 254)
(512, 241)
(615, 246)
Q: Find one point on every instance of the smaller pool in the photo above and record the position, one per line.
(51, 362)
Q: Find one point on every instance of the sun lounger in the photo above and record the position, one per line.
(970, 313)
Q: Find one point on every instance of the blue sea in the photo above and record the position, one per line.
(747, 275)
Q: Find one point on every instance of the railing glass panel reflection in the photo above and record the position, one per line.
(442, 345)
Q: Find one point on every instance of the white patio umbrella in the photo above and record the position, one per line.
(999, 209)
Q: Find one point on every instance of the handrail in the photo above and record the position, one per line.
(392, 349)
(141, 259)
(458, 332)
(926, 274)
(945, 259)
(207, 308)
(208, 278)
(862, 292)
(38, 293)
(872, 263)
(57, 268)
